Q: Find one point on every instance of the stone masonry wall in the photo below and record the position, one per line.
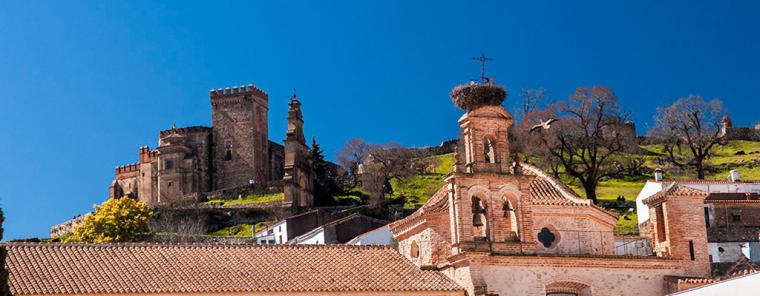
(239, 120)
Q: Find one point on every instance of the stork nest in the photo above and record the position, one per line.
(473, 96)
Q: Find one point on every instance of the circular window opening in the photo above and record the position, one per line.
(546, 237)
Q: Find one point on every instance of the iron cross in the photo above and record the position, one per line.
(482, 59)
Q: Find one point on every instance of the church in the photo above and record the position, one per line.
(502, 227)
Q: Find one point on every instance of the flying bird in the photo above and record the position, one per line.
(543, 125)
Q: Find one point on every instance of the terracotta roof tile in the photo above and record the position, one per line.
(550, 191)
(39, 268)
(743, 266)
(674, 189)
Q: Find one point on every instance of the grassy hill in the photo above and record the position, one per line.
(740, 155)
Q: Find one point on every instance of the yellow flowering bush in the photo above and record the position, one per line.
(116, 220)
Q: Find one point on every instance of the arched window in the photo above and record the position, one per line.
(479, 221)
(568, 288)
(511, 215)
(414, 250)
(489, 154)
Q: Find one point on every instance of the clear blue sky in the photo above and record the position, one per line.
(84, 84)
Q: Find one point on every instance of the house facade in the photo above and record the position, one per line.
(731, 211)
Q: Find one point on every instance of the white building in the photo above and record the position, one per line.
(339, 231)
(286, 229)
(378, 236)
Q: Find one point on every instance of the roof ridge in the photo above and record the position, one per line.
(176, 245)
(561, 187)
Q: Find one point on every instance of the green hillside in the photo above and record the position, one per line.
(740, 155)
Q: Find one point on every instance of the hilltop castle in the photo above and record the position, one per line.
(234, 152)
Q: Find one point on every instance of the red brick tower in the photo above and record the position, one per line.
(678, 227)
(489, 204)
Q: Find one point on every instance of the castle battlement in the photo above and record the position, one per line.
(127, 171)
(235, 90)
(184, 130)
(147, 155)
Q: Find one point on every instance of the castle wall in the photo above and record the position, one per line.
(240, 136)
(276, 161)
(183, 164)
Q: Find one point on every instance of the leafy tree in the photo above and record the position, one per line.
(589, 137)
(4, 289)
(689, 129)
(116, 220)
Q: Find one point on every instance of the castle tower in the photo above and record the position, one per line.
(678, 227)
(298, 178)
(488, 203)
(239, 136)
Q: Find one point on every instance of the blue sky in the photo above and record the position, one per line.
(84, 84)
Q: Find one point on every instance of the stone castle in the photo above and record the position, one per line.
(234, 152)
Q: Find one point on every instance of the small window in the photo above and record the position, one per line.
(170, 184)
(546, 237)
(707, 217)
(691, 250)
(227, 149)
(488, 152)
(736, 215)
(169, 164)
(414, 250)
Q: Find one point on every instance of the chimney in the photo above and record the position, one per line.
(734, 176)
(658, 174)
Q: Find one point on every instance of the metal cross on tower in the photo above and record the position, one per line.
(482, 59)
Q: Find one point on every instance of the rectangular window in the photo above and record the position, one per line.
(227, 149)
(691, 250)
(660, 216)
(736, 215)
(707, 217)
(168, 164)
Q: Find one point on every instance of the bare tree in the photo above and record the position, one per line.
(588, 138)
(532, 99)
(353, 153)
(385, 162)
(533, 147)
(689, 129)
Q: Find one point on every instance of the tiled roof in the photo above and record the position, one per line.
(733, 196)
(550, 191)
(674, 189)
(698, 181)
(743, 266)
(39, 268)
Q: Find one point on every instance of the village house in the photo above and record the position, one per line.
(731, 213)
(339, 231)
